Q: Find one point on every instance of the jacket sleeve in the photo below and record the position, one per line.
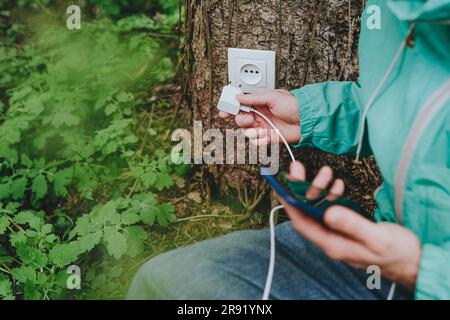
(433, 282)
(329, 117)
(424, 10)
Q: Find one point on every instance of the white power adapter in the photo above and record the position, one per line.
(228, 102)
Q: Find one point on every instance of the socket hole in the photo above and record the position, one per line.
(250, 74)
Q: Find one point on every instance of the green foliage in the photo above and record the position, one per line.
(76, 186)
(119, 8)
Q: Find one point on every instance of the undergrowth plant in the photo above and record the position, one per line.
(77, 184)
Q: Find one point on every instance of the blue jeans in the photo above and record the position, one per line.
(234, 267)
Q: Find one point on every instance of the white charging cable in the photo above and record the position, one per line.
(392, 291)
(270, 273)
(262, 115)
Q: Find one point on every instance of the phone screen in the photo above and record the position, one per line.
(311, 211)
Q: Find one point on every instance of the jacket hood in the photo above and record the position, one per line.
(423, 10)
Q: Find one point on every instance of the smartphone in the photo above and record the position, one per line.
(313, 212)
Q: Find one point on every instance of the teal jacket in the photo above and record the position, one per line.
(405, 86)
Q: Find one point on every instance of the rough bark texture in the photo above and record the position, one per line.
(315, 41)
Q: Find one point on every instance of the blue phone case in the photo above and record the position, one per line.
(311, 211)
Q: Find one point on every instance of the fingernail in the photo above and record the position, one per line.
(333, 216)
(297, 171)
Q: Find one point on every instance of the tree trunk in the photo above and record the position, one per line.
(315, 41)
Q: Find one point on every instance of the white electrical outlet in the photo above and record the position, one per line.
(251, 70)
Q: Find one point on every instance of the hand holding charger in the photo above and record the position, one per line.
(297, 198)
(229, 104)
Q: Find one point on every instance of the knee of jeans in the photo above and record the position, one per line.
(172, 275)
(192, 272)
(147, 282)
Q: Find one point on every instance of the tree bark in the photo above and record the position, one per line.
(315, 41)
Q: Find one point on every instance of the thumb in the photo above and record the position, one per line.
(297, 172)
(350, 223)
(260, 99)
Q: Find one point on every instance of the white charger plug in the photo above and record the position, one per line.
(228, 102)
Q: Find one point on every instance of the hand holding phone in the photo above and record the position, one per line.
(297, 197)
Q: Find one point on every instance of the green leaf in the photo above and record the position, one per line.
(63, 254)
(148, 215)
(39, 164)
(4, 224)
(5, 190)
(26, 161)
(31, 291)
(64, 118)
(111, 108)
(110, 147)
(31, 218)
(125, 97)
(88, 242)
(18, 238)
(116, 243)
(83, 226)
(165, 214)
(18, 188)
(6, 292)
(31, 233)
(31, 255)
(107, 213)
(135, 238)
(8, 153)
(39, 186)
(62, 179)
(46, 229)
(149, 179)
(137, 172)
(129, 218)
(50, 238)
(34, 105)
(164, 181)
(21, 93)
(24, 274)
(9, 130)
(132, 139)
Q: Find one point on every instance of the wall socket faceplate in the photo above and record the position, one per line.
(251, 70)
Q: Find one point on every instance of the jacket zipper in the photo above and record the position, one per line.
(423, 119)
